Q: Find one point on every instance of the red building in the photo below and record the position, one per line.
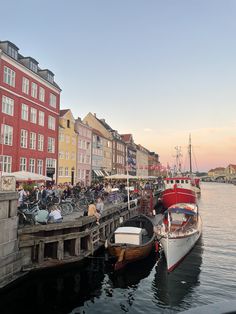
(29, 114)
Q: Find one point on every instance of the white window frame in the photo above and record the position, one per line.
(24, 112)
(9, 76)
(53, 100)
(32, 144)
(40, 166)
(23, 138)
(41, 94)
(8, 105)
(51, 145)
(23, 164)
(34, 90)
(33, 115)
(51, 123)
(66, 171)
(25, 85)
(40, 142)
(60, 172)
(41, 118)
(32, 165)
(7, 134)
(5, 163)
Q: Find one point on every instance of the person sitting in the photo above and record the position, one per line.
(55, 215)
(92, 211)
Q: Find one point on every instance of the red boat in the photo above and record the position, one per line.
(178, 190)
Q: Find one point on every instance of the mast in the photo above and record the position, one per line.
(190, 154)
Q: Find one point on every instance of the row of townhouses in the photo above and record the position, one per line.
(37, 136)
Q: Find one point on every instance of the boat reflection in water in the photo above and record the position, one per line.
(133, 273)
(170, 289)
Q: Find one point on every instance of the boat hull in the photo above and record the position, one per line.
(127, 253)
(176, 247)
(178, 195)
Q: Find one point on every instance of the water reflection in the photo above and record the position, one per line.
(55, 291)
(132, 274)
(171, 288)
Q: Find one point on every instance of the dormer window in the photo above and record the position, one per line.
(33, 66)
(50, 78)
(12, 52)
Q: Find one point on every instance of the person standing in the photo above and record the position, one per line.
(100, 205)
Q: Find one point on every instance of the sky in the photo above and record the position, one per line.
(160, 70)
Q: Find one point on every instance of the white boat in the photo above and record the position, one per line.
(178, 232)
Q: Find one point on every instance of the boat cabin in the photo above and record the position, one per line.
(180, 182)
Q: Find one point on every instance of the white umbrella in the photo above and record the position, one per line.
(120, 177)
(29, 176)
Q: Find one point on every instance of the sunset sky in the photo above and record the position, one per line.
(157, 69)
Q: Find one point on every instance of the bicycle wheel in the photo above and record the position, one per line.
(64, 209)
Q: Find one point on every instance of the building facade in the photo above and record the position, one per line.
(97, 155)
(29, 114)
(84, 152)
(131, 151)
(142, 161)
(154, 166)
(67, 148)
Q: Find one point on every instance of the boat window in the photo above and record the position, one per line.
(186, 181)
(176, 181)
(167, 181)
(171, 181)
(182, 181)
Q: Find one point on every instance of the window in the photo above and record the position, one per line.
(33, 115)
(25, 85)
(68, 123)
(7, 133)
(50, 163)
(66, 172)
(12, 52)
(60, 172)
(5, 162)
(61, 136)
(61, 155)
(51, 145)
(40, 166)
(67, 155)
(50, 78)
(32, 165)
(32, 140)
(87, 145)
(51, 122)
(24, 112)
(23, 164)
(41, 94)
(41, 118)
(23, 138)
(34, 90)
(53, 100)
(9, 76)
(7, 105)
(33, 66)
(40, 142)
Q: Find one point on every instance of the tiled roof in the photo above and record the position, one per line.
(63, 112)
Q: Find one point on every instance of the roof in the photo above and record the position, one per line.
(126, 137)
(106, 126)
(97, 132)
(63, 112)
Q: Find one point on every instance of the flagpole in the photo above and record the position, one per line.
(127, 174)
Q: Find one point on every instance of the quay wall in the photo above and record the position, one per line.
(10, 256)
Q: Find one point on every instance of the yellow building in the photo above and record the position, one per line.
(67, 148)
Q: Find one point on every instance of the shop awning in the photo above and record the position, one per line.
(98, 173)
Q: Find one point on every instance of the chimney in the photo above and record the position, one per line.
(95, 115)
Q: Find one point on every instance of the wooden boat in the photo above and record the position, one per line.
(132, 241)
(178, 232)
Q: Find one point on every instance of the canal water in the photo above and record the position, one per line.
(207, 275)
